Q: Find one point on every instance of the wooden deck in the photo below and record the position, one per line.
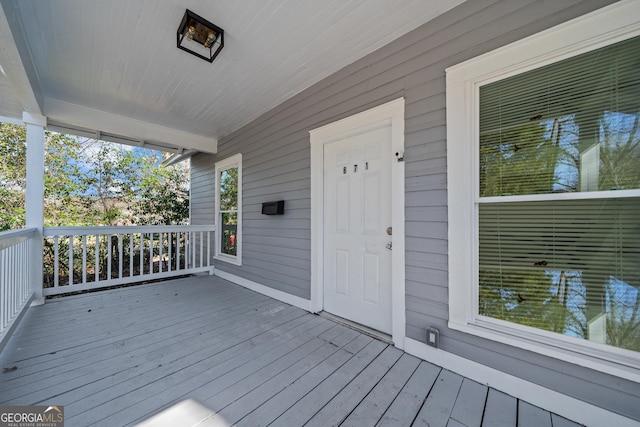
(204, 351)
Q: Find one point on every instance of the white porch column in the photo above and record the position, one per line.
(35, 197)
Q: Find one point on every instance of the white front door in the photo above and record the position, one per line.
(357, 239)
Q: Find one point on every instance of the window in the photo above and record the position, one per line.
(544, 192)
(229, 209)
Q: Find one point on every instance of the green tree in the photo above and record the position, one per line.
(129, 187)
(163, 196)
(89, 182)
(13, 154)
(64, 203)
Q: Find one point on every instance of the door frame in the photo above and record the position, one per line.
(392, 113)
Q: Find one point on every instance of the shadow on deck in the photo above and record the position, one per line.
(204, 351)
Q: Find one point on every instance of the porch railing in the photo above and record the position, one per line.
(82, 258)
(15, 290)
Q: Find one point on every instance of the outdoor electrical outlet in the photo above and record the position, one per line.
(433, 337)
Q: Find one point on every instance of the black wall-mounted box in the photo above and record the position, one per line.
(273, 208)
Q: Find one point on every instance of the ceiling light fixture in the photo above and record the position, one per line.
(200, 37)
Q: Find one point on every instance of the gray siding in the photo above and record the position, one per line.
(202, 195)
(276, 163)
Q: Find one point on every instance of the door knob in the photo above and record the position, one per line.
(389, 246)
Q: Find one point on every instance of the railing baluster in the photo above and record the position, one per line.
(24, 289)
(150, 253)
(178, 251)
(141, 272)
(109, 255)
(5, 278)
(11, 268)
(120, 254)
(7, 290)
(208, 248)
(84, 259)
(97, 260)
(169, 249)
(70, 260)
(160, 244)
(193, 249)
(201, 248)
(15, 265)
(131, 237)
(56, 261)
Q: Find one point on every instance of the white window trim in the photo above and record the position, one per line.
(606, 26)
(230, 162)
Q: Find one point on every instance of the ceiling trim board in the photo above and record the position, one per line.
(88, 118)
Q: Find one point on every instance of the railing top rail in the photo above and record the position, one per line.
(125, 229)
(13, 237)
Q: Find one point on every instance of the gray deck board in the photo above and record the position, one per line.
(136, 402)
(558, 421)
(470, 402)
(437, 408)
(531, 416)
(304, 409)
(155, 370)
(247, 403)
(205, 350)
(284, 400)
(84, 369)
(405, 407)
(501, 410)
(343, 403)
(375, 404)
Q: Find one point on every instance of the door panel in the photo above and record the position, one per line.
(357, 213)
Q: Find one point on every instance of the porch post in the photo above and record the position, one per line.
(35, 198)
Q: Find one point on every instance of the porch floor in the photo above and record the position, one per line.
(204, 351)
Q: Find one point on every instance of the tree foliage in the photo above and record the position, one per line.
(13, 153)
(90, 182)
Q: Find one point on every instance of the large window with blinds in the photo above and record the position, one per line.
(554, 239)
(564, 264)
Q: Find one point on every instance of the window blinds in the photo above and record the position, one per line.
(567, 266)
(538, 129)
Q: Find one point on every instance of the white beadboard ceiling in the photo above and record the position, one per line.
(113, 66)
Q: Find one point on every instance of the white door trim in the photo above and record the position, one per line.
(393, 113)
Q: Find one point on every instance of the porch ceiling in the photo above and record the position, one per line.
(113, 66)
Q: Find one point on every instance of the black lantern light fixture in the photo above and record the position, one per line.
(200, 37)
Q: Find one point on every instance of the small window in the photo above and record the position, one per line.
(543, 142)
(228, 209)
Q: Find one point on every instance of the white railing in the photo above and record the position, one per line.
(15, 291)
(82, 258)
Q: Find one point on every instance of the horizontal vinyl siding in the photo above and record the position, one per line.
(202, 194)
(276, 249)
(276, 165)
